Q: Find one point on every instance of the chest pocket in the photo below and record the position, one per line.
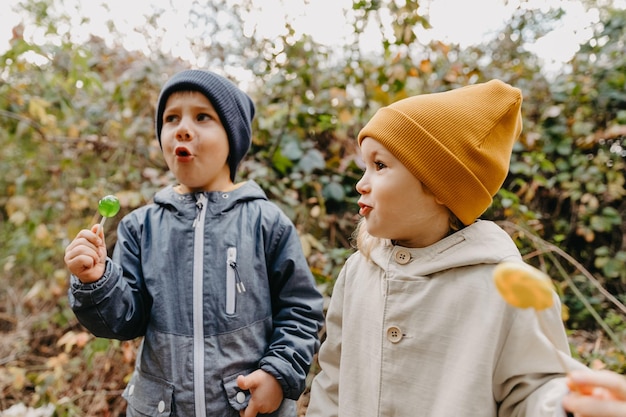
(234, 284)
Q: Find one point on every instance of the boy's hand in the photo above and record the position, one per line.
(266, 394)
(86, 255)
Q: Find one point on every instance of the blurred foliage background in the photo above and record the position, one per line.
(76, 123)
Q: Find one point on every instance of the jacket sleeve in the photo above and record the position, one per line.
(117, 305)
(324, 399)
(529, 377)
(297, 309)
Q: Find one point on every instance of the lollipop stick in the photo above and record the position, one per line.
(101, 225)
(556, 351)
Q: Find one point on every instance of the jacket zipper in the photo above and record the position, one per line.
(198, 321)
(233, 280)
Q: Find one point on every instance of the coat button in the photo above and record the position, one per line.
(161, 406)
(394, 334)
(240, 397)
(402, 256)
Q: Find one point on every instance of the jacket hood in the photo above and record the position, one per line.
(483, 242)
(219, 201)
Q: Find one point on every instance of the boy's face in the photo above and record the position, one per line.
(395, 204)
(195, 144)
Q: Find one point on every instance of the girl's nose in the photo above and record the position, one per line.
(362, 186)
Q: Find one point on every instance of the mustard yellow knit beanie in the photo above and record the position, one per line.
(457, 143)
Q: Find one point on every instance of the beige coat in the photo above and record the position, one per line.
(424, 332)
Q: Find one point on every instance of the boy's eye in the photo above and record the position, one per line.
(203, 117)
(379, 165)
(170, 118)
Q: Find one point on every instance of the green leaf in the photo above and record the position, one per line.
(312, 160)
(334, 191)
(291, 149)
(281, 163)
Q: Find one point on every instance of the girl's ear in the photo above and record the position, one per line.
(437, 199)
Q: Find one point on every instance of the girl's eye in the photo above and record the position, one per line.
(379, 165)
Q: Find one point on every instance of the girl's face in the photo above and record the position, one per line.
(195, 144)
(395, 204)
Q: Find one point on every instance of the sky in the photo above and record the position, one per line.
(465, 22)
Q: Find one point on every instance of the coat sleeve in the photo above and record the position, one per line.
(117, 305)
(297, 310)
(324, 400)
(529, 377)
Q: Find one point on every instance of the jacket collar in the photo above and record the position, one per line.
(218, 201)
(482, 242)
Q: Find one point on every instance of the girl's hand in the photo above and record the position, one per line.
(266, 394)
(86, 255)
(596, 394)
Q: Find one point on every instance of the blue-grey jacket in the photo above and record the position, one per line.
(218, 286)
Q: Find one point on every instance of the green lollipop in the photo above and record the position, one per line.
(108, 206)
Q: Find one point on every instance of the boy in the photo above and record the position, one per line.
(211, 274)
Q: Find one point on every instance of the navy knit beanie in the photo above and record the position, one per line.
(234, 107)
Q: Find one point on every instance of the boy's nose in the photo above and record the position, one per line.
(183, 132)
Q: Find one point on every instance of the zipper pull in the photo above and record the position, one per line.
(232, 262)
(239, 283)
(199, 205)
(240, 287)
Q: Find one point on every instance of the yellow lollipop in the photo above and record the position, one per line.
(524, 286)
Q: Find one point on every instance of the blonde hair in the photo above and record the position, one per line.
(365, 243)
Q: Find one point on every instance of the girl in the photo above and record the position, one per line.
(416, 326)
